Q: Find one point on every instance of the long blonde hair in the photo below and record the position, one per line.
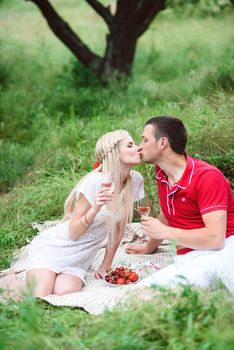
(107, 155)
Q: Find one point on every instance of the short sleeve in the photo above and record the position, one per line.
(89, 186)
(138, 186)
(212, 192)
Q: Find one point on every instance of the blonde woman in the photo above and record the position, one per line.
(60, 256)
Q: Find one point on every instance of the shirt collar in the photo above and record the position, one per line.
(184, 181)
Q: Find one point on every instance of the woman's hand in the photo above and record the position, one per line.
(100, 273)
(101, 198)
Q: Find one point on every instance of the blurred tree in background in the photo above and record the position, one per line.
(126, 21)
(130, 20)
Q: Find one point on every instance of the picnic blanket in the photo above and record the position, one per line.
(97, 296)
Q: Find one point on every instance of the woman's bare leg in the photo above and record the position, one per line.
(66, 283)
(13, 288)
(42, 280)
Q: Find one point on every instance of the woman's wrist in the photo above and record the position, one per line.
(89, 216)
(87, 219)
(95, 209)
(105, 268)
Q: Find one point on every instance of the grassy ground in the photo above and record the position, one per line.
(189, 319)
(52, 111)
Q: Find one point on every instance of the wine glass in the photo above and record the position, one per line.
(143, 206)
(108, 185)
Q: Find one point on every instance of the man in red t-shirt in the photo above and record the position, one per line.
(197, 210)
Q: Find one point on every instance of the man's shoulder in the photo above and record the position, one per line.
(204, 171)
(200, 166)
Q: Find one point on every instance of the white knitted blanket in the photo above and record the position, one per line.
(96, 296)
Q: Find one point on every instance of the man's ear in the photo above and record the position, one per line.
(164, 142)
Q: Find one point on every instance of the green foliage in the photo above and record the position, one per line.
(14, 160)
(223, 76)
(32, 325)
(211, 127)
(171, 321)
(184, 319)
(200, 7)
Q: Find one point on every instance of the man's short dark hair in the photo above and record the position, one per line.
(172, 128)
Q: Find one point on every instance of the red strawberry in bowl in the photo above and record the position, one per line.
(121, 276)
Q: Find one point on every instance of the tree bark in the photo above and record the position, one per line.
(120, 51)
(119, 56)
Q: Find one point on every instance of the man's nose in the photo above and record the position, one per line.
(139, 149)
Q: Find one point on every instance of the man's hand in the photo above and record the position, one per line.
(152, 227)
(136, 249)
(211, 236)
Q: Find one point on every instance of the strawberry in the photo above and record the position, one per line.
(128, 281)
(136, 278)
(120, 280)
(127, 274)
(133, 276)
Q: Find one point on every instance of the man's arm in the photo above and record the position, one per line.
(151, 245)
(211, 236)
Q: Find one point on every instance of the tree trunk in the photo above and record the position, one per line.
(119, 56)
(131, 19)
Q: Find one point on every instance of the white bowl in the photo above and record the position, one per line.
(121, 285)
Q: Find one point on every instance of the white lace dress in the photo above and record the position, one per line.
(52, 249)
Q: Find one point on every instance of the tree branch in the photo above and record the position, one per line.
(64, 32)
(103, 11)
(145, 13)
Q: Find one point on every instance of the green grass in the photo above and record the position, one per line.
(186, 319)
(52, 111)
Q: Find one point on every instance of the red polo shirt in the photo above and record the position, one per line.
(201, 189)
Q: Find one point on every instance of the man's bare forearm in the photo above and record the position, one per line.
(152, 244)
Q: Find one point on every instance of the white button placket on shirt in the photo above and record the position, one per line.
(170, 198)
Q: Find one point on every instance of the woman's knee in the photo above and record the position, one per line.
(40, 281)
(67, 285)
